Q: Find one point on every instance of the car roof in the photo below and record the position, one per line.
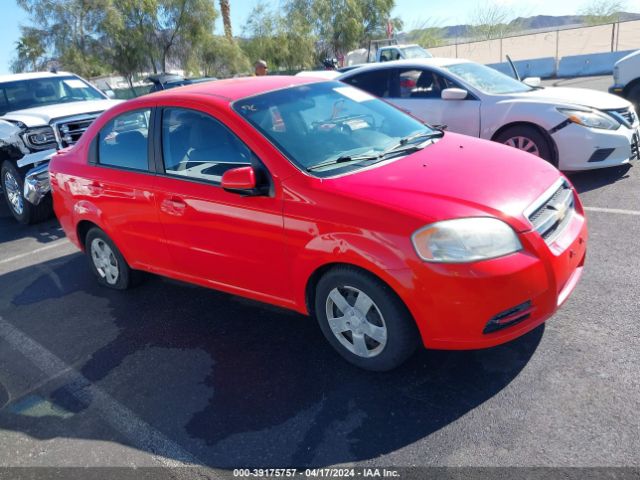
(409, 62)
(235, 88)
(31, 76)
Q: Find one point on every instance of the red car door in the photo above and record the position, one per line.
(217, 238)
(121, 184)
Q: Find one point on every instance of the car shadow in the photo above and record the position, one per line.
(588, 180)
(238, 382)
(45, 232)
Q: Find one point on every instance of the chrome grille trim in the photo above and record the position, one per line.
(626, 116)
(552, 211)
(69, 130)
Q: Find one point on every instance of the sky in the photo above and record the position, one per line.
(415, 13)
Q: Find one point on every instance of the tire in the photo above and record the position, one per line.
(106, 261)
(529, 139)
(387, 319)
(22, 210)
(633, 95)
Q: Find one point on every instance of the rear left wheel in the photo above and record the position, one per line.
(107, 263)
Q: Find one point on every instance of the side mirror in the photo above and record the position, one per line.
(454, 94)
(110, 93)
(240, 180)
(532, 81)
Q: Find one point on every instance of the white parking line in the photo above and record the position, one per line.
(613, 210)
(142, 435)
(56, 244)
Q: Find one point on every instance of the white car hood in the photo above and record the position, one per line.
(575, 96)
(38, 116)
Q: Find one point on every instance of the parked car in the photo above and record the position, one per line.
(573, 128)
(317, 197)
(626, 78)
(164, 81)
(39, 113)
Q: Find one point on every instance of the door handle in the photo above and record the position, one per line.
(173, 206)
(95, 188)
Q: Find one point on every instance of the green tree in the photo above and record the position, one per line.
(30, 51)
(69, 28)
(220, 57)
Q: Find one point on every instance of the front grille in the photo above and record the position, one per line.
(69, 130)
(635, 147)
(626, 115)
(552, 212)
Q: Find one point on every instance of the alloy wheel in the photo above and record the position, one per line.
(356, 321)
(12, 187)
(523, 143)
(105, 261)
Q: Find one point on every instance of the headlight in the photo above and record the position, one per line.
(39, 138)
(590, 118)
(465, 240)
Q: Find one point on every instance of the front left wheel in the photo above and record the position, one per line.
(364, 320)
(21, 209)
(528, 139)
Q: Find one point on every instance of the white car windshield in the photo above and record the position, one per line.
(486, 79)
(328, 128)
(39, 92)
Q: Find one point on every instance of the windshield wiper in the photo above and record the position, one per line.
(343, 159)
(401, 147)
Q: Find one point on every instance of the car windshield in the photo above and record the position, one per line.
(38, 92)
(329, 128)
(416, 52)
(486, 79)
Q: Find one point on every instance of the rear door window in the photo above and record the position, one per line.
(123, 142)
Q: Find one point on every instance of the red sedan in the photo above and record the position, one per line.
(317, 197)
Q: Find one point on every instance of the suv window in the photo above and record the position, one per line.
(195, 145)
(375, 82)
(123, 141)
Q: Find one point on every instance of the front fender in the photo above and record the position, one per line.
(370, 251)
(497, 115)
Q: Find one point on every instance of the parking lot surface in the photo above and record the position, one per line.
(168, 374)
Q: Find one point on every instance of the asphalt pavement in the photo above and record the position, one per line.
(168, 374)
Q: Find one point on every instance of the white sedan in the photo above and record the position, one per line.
(573, 128)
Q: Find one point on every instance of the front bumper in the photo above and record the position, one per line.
(453, 304)
(36, 184)
(582, 148)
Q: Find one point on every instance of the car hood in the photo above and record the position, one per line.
(575, 96)
(456, 176)
(38, 116)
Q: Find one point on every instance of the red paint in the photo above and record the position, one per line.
(268, 247)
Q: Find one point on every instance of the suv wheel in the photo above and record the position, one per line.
(13, 188)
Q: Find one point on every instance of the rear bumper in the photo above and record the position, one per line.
(617, 90)
(453, 304)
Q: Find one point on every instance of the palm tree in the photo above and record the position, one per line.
(226, 18)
